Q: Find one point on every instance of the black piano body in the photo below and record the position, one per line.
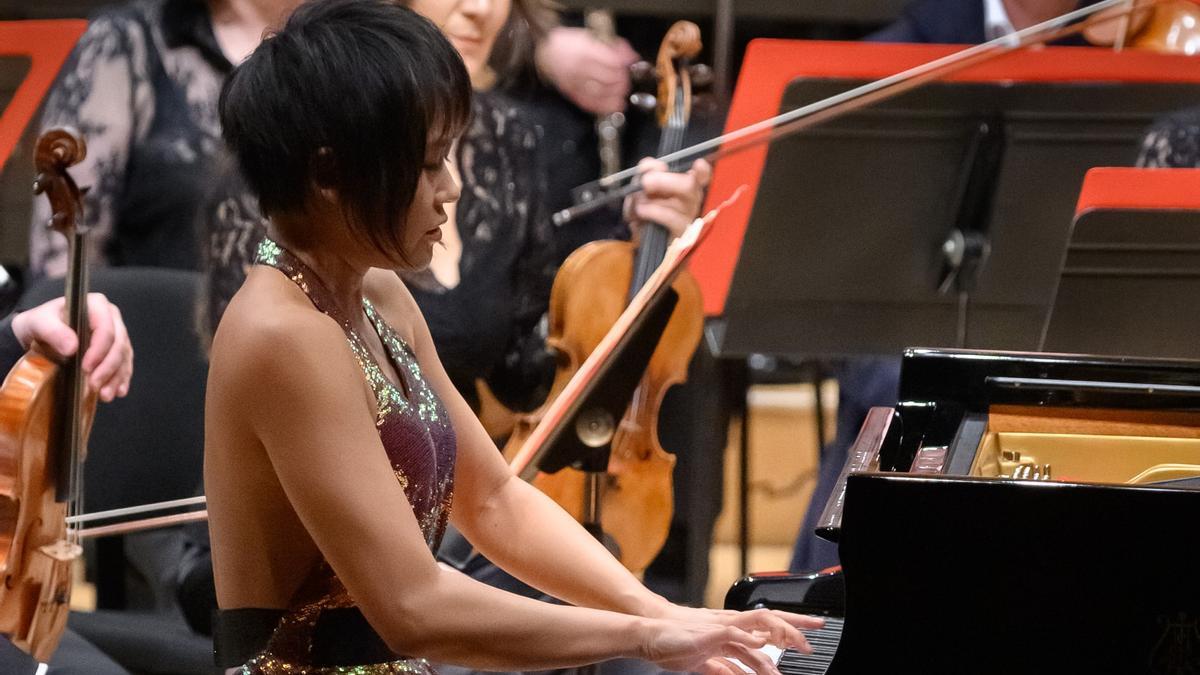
(951, 566)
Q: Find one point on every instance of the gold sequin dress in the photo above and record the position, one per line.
(419, 440)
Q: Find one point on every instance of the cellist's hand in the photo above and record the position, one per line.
(670, 199)
(108, 362)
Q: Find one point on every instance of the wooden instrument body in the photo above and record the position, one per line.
(1166, 26)
(1173, 27)
(590, 292)
(34, 563)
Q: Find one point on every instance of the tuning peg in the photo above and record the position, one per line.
(643, 101)
(642, 72)
(702, 76)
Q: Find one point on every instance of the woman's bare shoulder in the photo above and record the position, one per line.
(395, 302)
(271, 320)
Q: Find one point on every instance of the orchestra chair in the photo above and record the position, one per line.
(147, 447)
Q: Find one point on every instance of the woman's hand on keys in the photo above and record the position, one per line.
(705, 641)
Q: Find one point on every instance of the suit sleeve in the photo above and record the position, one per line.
(10, 348)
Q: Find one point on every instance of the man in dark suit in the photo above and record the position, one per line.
(971, 21)
(868, 382)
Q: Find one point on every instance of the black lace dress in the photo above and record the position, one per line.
(142, 86)
(1173, 142)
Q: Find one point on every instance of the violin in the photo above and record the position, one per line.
(1170, 27)
(590, 291)
(46, 411)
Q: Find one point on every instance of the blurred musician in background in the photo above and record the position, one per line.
(867, 382)
(972, 21)
(109, 365)
(1173, 142)
(142, 85)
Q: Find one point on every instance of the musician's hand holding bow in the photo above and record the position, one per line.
(670, 199)
(108, 362)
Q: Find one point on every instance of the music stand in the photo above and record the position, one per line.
(842, 249)
(854, 253)
(1130, 280)
(31, 54)
(584, 440)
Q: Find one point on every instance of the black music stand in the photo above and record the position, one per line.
(939, 217)
(584, 441)
(1130, 285)
(16, 176)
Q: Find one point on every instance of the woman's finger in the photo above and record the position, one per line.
(101, 321)
(111, 377)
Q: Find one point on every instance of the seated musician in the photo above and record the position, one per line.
(972, 21)
(868, 382)
(109, 365)
(337, 448)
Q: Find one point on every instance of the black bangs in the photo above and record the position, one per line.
(345, 98)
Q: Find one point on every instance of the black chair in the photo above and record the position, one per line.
(147, 447)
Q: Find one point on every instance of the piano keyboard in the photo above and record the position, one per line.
(824, 642)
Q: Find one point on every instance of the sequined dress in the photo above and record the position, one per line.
(419, 440)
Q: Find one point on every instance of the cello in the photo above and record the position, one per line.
(46, 411)
(590, 291)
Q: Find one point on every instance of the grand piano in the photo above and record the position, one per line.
(1013, 513)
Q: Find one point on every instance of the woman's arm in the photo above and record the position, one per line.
(526, 533)
(320, 437)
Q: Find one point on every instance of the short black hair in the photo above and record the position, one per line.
(345, 97)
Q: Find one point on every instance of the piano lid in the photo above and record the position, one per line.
(975, 380)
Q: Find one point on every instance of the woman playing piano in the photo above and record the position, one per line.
(336, 445)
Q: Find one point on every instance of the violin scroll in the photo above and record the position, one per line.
(681, 44)
(57, 150)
